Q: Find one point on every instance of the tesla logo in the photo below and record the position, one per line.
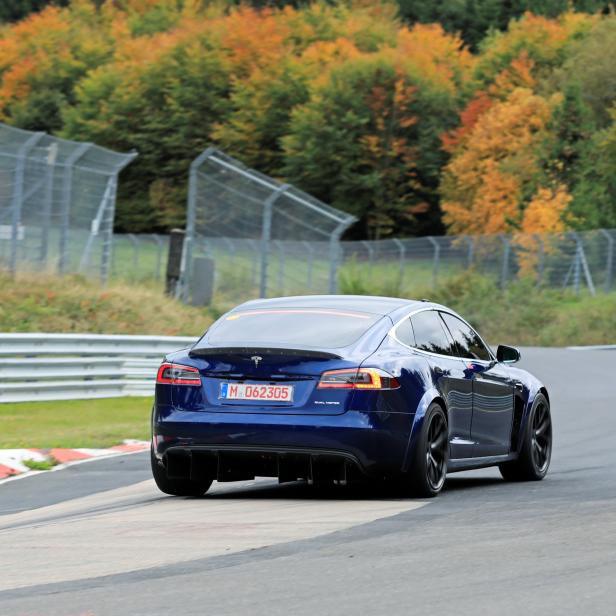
(256, 359)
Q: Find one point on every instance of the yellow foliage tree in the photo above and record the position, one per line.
(494, 165)
(546, 213)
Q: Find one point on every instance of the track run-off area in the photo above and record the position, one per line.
(99, 539)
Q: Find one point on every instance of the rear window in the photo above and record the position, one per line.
(311, 327)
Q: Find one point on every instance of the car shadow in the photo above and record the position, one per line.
(301, 490)
(457, 484)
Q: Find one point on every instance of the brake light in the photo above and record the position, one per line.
(176, 374)
(358, 378)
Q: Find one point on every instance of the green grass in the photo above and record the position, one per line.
(525, 315)
(40, 465)
(74, 423)
(45, 303)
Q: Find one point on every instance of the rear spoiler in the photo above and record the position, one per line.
(213, 351)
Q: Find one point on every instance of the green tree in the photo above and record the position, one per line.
(367, 142)
(14, 10)
(165, 109)
(569, 132)
(475, 18)
(594, 195)
(43, 57)
(591, 65)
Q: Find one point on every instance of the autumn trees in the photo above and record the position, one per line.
(473, 116)
(527, 154)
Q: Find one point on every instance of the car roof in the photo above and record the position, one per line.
(363, 303)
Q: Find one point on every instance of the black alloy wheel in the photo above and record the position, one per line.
(541, 435)
(436, 452)
(536, 446)
(428, 465)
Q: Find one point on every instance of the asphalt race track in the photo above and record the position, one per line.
(98, 539)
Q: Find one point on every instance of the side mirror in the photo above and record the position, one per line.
(507, 354)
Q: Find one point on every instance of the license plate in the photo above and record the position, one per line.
(245, 391)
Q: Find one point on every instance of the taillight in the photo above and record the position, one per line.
(358, 378)
(176, 374)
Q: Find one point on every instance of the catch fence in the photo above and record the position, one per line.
(582, 261)
(254, 219)
(57, 203)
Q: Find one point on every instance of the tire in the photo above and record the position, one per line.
(426, 476)
(176, 487)
(536, 451)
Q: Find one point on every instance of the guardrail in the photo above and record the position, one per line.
(80, 366)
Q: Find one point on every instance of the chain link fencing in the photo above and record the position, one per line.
(580, 262)
(262, 227)
(57, 203)
(262, 238)
(574, 260)
(139, 257)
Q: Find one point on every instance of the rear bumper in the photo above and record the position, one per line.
(373, 443)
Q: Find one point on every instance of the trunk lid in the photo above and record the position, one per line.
(268, 369)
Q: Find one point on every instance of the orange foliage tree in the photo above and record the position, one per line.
(494, 165)
(43, 57)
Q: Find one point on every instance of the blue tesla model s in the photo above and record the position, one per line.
(338, 387)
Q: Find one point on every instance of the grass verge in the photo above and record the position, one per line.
(74, 423)
(40, 465)
(525, 315)
(40, 303)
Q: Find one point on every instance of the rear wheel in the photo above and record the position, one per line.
(176, 487)
(428, 469)
(536, 451)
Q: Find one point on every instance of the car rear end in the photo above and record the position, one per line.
(282, 393)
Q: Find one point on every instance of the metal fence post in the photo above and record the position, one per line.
(135, 242)
(436, 260)
(370, 250)
(280, 246)
(266, 232)
(17, 196)
(181, 288)
(402, 252)
(540, 259)
(67, 190)
(159, 254)
(107, 251)
(52, 155)
(254, 260)
(609, 263)
(576, 271)
(174, 264)
(310, 249)
(229, 242)
(334, 254)
(471, 250)
(582, 264)
(95, 225)
(505, 268)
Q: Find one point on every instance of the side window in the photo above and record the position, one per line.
(468, 342)
(430, 334)
(404, 333)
